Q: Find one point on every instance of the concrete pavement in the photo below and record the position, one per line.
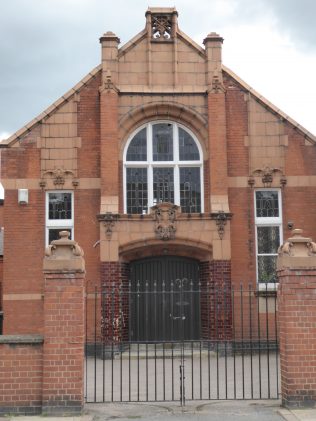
(196, 411)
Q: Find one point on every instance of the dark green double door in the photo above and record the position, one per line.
(164, 300)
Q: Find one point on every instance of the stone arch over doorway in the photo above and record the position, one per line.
(182, 247)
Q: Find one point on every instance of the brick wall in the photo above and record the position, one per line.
(297, 321)
(21, 371)
(114, 300)
(23, 285)
(216, 313)
(64, 342)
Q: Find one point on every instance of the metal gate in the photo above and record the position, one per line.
(181, 339)
(164, 300)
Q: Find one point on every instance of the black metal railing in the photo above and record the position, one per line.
(151, 341)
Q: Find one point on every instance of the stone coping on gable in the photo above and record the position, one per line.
(21, 339)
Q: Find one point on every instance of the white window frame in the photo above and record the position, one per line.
(176, 163)
(267, 222)
(62, 224)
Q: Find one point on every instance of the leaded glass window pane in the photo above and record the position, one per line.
(136, 190)
(190, 190)
(267, 269)
(162, 142)
(59, 206)
(188, 151)
(267, 204)
(268, 239)
(137, 150)
(163, 189)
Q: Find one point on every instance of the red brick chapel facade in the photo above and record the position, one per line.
(160, 156)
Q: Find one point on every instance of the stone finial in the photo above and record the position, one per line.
(297, 252)
(64, 255)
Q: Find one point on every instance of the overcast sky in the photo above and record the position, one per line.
(47, 46)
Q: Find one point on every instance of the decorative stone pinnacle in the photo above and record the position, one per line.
(297, 252)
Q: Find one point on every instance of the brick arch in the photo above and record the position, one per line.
(160, 110)
(183, 247)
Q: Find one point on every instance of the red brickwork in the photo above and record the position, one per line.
(109, 143)
(243, 246)
(217, 143)
(216, 312)
(63, 374)
(297, 321)
(115, 301)
(89, 129)
(25, 243)
(21, 366)
(237, 129)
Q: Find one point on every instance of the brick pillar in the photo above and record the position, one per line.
(63, 359)
(109, 124)
(216, 103)
(297, 320)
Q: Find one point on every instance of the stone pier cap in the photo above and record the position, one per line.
(64, 255)
(297, 252)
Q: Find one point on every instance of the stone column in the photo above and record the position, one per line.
(297, 320)
(64, 328)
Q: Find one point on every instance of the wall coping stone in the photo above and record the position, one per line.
(21, 339)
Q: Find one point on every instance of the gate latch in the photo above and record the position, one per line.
(177, 317)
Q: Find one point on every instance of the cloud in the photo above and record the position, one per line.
(294, 18)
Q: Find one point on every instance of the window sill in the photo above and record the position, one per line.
(267, 290)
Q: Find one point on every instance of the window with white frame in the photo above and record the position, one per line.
(163, 162)
(268, 220)
(59, 214)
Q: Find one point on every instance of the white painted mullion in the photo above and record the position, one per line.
(175, 134)
(176, 181)
(124, 189)
(150, 166)
(176, 171)
(202, 187)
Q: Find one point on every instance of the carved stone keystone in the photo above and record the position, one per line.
(297, 252)
(64, 255)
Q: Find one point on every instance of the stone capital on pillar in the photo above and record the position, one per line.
(63, 255)
(64, 328)
(296, 267)
(297, 252)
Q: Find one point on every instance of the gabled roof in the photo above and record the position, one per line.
(126, 47)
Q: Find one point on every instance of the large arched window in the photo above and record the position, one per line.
(163, 163)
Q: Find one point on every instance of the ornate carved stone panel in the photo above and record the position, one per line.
(267, 176)
(59, 178)
(165, 216)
